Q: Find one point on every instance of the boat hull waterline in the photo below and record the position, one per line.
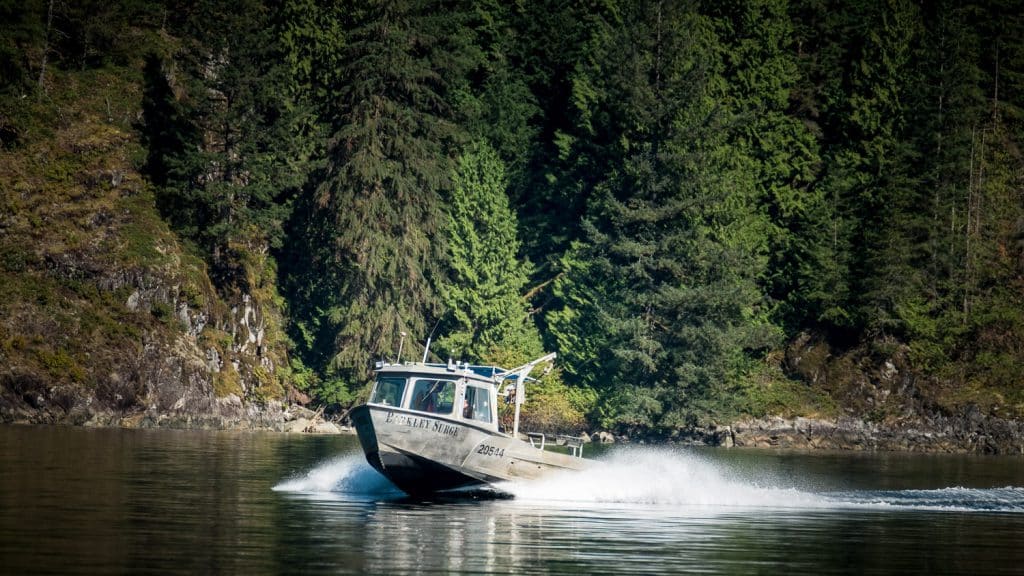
(425, 453)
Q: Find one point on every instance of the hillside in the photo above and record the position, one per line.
(106, 318)
(796, 222)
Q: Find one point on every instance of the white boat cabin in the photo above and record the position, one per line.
(455, 390)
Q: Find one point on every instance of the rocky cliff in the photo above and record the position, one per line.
(105, 316)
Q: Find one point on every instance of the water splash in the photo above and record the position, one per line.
(674, 479)
(348, 474)
(660, 477)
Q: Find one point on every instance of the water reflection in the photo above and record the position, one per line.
(511, 537)
(711, 516)
(78, 501)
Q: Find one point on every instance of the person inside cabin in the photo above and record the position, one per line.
(426, 401)
(467, 409)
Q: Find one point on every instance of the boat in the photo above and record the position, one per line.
(434, 427)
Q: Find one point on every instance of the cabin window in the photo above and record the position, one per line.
(436, 396)
(477, 405)
(389, 390)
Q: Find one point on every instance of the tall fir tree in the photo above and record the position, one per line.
(963, 321)
(489, 319)
(560, 170)
(761, 73)
(376, 252)
(666, 284)
(223, 143)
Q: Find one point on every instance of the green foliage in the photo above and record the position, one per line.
(768, 391)
(227, 381)
(552, 406)
(372, 253)
(163, 312)
(60, 365)
(228, 153)
(563, 163)
(756, 44)
(329, 391)
(22, 40)
(483, 293)
(140, 237)
(698, 182)
(667, 283)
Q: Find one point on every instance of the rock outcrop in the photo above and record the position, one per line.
(106, 317)
(965, 432)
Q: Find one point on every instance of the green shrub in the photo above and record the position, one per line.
(60, 365)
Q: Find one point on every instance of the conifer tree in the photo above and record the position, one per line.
(374, 231)
(489, 318)
(564, 164)
(761, 73)
(668, 278)
(957, 311)
(227, 155)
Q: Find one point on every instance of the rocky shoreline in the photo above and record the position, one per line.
(971, 432)
(983, 435)
(228, 413)
(968, 432)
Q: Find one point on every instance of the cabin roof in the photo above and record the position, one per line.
(484, 374)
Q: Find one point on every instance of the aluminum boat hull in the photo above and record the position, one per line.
(425, 453)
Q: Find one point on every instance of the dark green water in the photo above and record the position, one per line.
(77, 501)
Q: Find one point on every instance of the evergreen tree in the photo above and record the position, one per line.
(668, 279)
(374, 232)
(866, 177)
(757, 48)
(228, 156)
(562, 167)
(959, 312)
(21, 41)
(483, 294)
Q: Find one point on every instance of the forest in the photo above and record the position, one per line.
(677, 197)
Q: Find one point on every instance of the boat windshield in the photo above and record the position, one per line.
(437, 396)
(478, 404)
(389, 391)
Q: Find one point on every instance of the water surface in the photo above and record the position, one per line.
(81, 501)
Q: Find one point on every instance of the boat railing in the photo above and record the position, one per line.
(536, 439)
(575, 444)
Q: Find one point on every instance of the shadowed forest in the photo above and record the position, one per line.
(708, 209)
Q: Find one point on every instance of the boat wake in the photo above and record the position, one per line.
(958, 499)
(661, 479)
(679, 480)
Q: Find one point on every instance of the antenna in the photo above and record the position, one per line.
(400, 342)
(426, 349)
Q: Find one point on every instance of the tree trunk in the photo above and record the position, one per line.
(46, 47)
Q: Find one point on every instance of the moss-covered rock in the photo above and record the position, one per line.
(106, 315)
